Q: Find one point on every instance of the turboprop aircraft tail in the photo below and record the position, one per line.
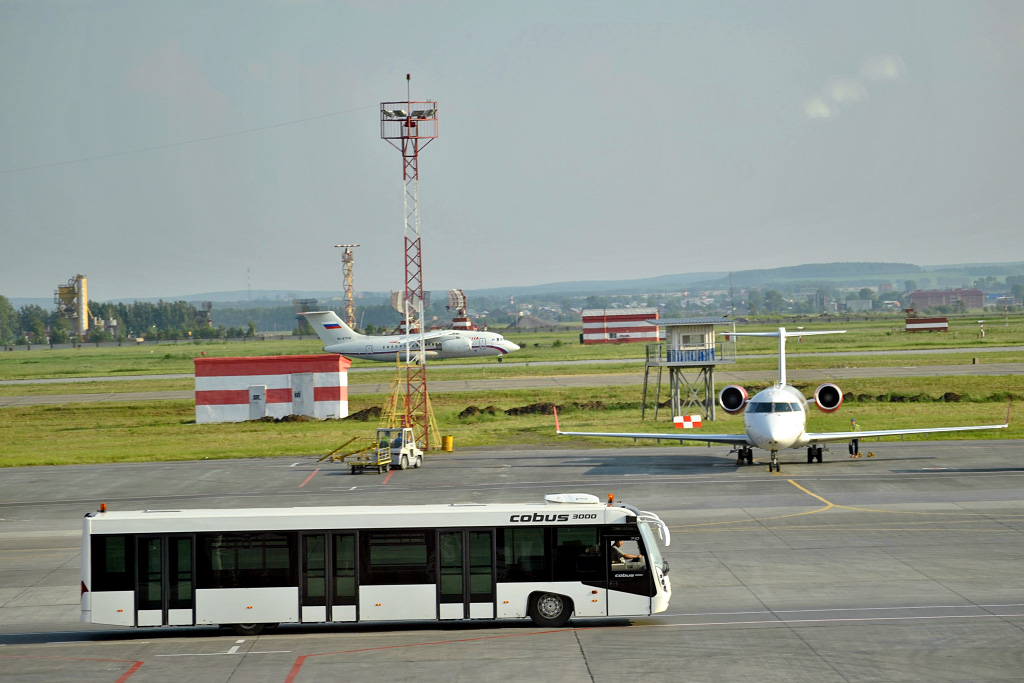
(330, 328)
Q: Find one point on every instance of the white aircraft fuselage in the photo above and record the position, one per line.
(337, 337)
(781, 426)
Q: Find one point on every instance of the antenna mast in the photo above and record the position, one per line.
(348, 259)
(409, 127)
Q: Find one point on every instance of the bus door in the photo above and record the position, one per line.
(165, 588)
(466, 588)
(630, 585)
(328, 577)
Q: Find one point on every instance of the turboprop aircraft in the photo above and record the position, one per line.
(340, 338)
(776, 418)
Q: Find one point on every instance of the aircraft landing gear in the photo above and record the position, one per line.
(773, 466)
(814, 453)
(745, 454)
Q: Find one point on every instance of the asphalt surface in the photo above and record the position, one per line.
(901, 567)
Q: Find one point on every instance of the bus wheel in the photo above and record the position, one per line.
(550, 609)
(247, 629)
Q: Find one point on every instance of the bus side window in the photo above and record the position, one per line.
(247, 560)
(113, 563)
(577, 554)
(397, 556)
(521, 555)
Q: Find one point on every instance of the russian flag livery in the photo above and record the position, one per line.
(332, 326)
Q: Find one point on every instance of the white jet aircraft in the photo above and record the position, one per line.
(776, 418)
(340, 338)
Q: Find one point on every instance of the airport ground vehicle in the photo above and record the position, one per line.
(248, 568)
(401, 443)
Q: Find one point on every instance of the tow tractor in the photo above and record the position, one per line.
(393, 447)
(400, 446)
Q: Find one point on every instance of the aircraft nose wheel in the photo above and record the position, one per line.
(773, 466)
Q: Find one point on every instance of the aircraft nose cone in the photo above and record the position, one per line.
(780, 434)
(512, 346)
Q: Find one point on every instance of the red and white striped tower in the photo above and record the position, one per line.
(409, 127)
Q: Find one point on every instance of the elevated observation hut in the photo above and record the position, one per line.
(690, 353)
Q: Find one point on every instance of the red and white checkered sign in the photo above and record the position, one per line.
(686, 421)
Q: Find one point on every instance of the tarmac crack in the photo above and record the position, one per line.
(586, 662)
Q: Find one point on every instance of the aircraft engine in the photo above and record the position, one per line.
(828, 397)
(456, 345)
(733, 399)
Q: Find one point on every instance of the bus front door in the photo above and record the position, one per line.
(629, 578)
(165, 589)
(466, 560)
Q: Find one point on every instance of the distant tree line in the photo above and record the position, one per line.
(162, 320)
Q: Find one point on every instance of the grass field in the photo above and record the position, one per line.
(165, 430)
(881, 335)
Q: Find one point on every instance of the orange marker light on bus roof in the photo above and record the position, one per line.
(611, 498)
(103, 507)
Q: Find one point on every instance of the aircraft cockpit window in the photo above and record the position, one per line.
(795, 407)
(782, 408)
(759, 407)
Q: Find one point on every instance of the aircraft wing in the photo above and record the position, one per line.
(846, 436)
(437, 334)
(733, 439)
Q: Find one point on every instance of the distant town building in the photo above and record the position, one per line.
(858, 305)
(928, 298)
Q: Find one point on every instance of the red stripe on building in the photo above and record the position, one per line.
(646, 329)
(222, 398)
(617, 318)
(270, 365)
(279, 395)
(330, 393)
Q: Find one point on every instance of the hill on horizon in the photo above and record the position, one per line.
(848, 274)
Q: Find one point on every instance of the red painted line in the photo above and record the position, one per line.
(135, 664)
(388, 477)
(129, 672)
(301, 660)
(309, 477)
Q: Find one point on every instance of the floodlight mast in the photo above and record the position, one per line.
(410, 126)
(348, 259)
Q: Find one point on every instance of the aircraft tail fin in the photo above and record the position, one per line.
(329, 327)
(782, 334)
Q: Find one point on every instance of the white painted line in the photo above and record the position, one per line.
(233, 650)
(217, 654)
(353, 488)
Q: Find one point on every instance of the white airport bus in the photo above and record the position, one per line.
(249, 568)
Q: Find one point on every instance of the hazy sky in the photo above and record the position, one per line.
(578, 140)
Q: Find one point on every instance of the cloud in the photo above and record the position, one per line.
(883, 68)
(842, 90)
(817, 108)
(169, 73)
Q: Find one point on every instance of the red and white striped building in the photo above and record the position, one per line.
(619, 325)
(240, 389)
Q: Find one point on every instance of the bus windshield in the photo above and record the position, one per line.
(651, 545)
